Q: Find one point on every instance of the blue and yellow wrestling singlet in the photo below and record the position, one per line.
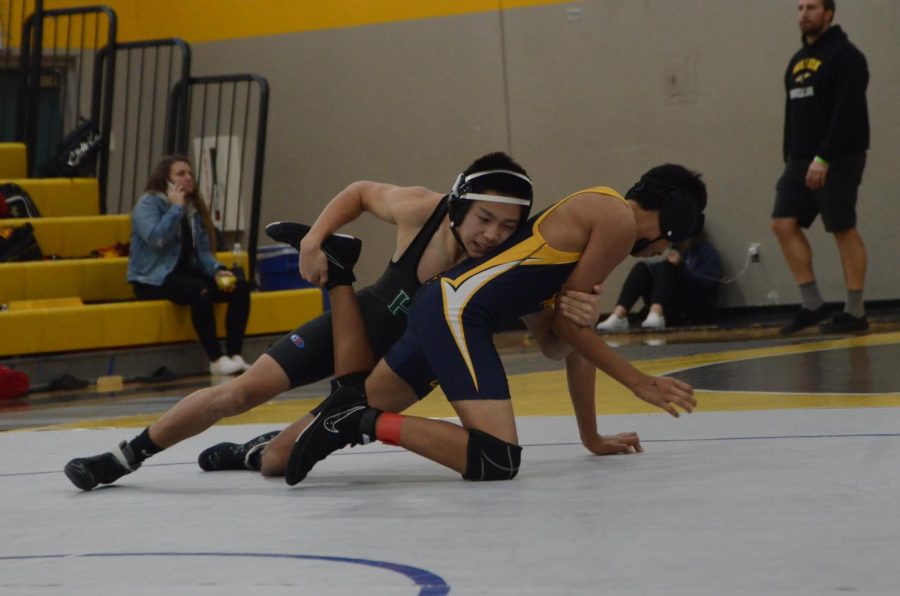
(449, 335)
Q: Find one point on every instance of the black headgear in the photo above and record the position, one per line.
(461, 195)
(680, 212)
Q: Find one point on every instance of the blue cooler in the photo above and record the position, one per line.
(277, 269)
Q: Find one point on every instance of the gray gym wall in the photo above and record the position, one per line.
(582, 94)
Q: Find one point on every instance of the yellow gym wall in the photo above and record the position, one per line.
(214, 20)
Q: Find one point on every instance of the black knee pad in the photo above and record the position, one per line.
(489, 458)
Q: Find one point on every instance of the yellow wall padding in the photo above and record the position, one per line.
(76, 236)
(13, 161)
(60, 197)
(135, 323)
(91, 280)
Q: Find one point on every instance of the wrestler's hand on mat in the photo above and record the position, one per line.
(313, 265)
(581, 308)
(614, 444)
(666, 393)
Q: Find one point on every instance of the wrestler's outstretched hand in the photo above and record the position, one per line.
(614, 444)
(666, 393)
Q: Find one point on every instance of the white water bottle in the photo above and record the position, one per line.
(236, 256)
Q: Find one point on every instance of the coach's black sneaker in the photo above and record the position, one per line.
(805, 318)
(106, 468)
(235, 456)
(341, 250)
(844, 322)
(337, 425)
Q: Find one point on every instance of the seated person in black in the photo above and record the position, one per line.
(680, 289)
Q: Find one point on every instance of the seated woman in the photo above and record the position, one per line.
(680, 289)
(171, 258)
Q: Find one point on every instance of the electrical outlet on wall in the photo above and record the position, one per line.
(753, 251)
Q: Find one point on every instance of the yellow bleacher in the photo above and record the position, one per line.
(86, 303)
(91, 280)
(138, 323)
(13, 161)
(76, 236)
(61, 197)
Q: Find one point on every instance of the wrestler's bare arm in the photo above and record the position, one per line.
(408, 207)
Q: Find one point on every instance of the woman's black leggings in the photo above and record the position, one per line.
(653, 282)
(200, 293)
(665, 284)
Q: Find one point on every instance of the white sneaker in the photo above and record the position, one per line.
(224, 366)
(613, 324)
(240, 361)
(654, 321)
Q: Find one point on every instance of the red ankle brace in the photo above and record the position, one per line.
(387, 428)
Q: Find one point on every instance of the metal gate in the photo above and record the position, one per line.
(60, 52)
(220, 122)
(146, 73)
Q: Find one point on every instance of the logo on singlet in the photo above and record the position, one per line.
(400, 303)
(297, 340)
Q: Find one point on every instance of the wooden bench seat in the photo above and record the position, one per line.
(145, 322)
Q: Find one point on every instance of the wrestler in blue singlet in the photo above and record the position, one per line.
(450, 327)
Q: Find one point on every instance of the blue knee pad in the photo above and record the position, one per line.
(490, 458)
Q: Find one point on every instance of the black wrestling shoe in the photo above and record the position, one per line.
(341, 250)
(106, 468)
(235, 456)
(844, 322)
(335, 426)
(805, 318)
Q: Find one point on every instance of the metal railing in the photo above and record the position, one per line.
(59, 51)
(13, 78)
(146, 74)
(220, 122)
(146, 105)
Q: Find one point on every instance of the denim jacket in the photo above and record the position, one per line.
(156, 241)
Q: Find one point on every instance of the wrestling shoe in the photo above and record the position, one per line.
(335, 426)
(844, 322)
(106, 468)
(234, 456)
(341, 250)
(803, 319)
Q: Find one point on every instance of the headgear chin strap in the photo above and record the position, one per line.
(641, 245)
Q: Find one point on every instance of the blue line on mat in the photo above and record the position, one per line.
(430, 584)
